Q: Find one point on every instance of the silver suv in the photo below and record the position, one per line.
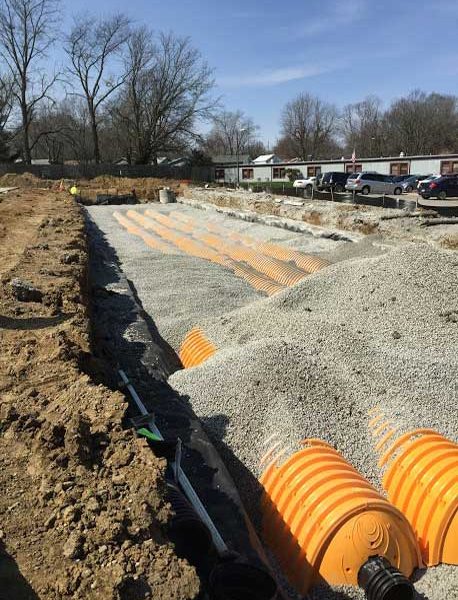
(372, 183)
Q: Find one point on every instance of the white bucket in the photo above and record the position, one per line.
(166, 196)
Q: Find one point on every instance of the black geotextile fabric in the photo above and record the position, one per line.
(125, 337)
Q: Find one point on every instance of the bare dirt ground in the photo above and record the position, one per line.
(82, 510)
(146, 188)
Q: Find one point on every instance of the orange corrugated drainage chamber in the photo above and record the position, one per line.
(196, 348)
(326, 523)
(421, 480)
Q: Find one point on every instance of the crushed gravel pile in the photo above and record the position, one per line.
(313, 360)
(176, 290)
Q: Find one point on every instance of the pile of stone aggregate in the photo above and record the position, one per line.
(313, 360)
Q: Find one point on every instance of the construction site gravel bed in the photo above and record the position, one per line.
(82, 504)
(313, 360)
(377, 329)
(178, 290)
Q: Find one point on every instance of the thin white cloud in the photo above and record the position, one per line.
(335, 15)
(273, 77)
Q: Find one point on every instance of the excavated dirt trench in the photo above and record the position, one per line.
(82, 503)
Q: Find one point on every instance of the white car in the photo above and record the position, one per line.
(308, 184)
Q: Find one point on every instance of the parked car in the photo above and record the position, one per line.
(375, 183)
(440, 187)
(411, 182)
(426, 180)
(333, 180)
(308, 184)
(399, 178)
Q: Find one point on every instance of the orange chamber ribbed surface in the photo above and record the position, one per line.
(421, 480)
(196, 348)
(323, 520)
(267, 267)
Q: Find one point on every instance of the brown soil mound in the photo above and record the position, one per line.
(82, 508)
(23, 180)
(146, 188)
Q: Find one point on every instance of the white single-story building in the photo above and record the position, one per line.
(257, 171)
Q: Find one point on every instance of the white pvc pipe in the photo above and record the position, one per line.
(193, 498)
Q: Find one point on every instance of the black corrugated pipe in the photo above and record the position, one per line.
(187, 530)
(381, 581)
(239, 580)
(232, 578)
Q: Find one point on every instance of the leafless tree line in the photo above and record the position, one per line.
(125, 91)
(128, 92)
(233, 133)
(419, 123)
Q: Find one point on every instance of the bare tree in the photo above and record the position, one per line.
(309, 124)
(6, 100)
(128, 110)
(92, 47)
(233, 133)
(361, 125)
(26, 33)
(422, 123)
(6, 105)
(286, 148)
(167, 92)
(55, 132)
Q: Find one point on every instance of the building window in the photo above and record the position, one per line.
(353, 168)
(219, 173)
(313, 171)
(247, 173)
(399, 168)
(449, 166)
(279, 173)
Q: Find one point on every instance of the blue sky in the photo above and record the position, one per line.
(265, 52)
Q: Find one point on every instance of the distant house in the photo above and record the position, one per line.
(182, 161)
(35, 161)
(267, 159)
(163, 160)
(231, 159)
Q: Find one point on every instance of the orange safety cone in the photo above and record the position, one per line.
(421, 480)
(324, 521)
(196, 348)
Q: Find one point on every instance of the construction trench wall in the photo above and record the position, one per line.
(312, 360)
(135, 345)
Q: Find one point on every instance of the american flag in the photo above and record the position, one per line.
(353, 156)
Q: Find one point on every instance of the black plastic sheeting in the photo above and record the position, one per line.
(148, 361)
(113, 199)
